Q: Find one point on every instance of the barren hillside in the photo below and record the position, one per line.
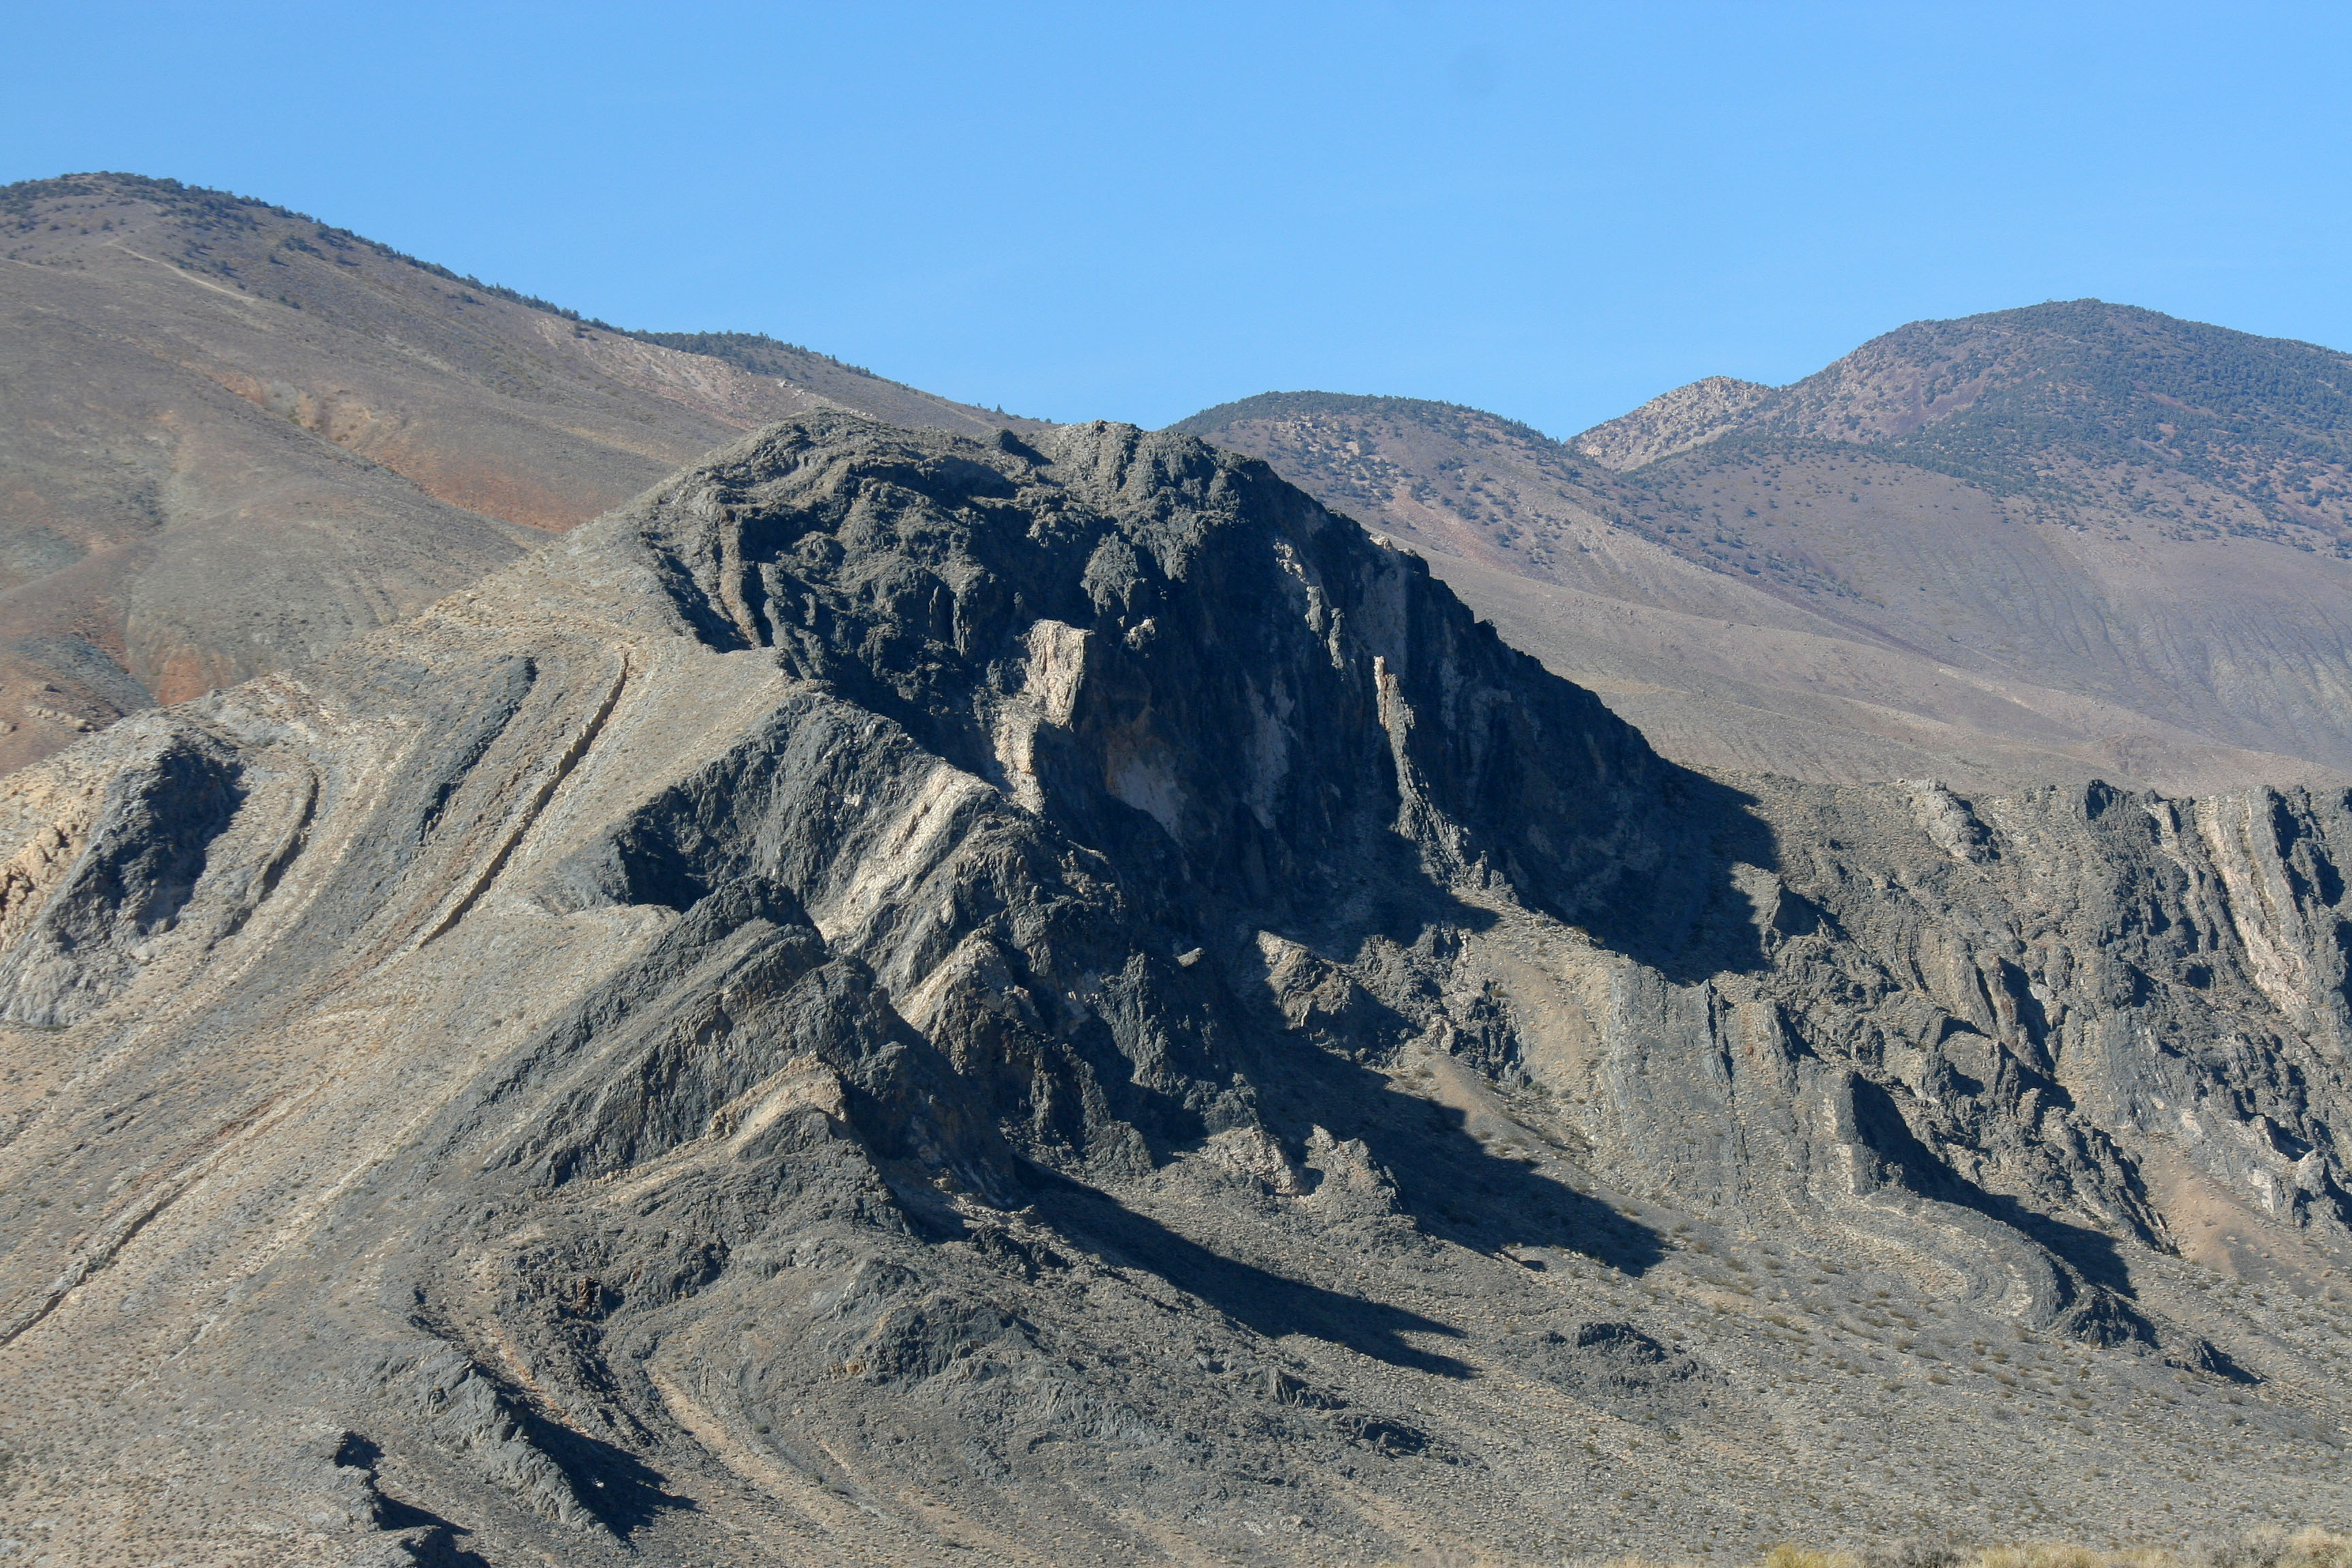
(917, 1000)
(2070, 541)
(230, 437)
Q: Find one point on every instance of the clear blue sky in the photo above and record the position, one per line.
(1132, 210)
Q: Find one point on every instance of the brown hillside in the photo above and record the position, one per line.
(2111, 549)
(230, 437)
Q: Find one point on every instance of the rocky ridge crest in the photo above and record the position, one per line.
(1690, 416)
(1049, 998)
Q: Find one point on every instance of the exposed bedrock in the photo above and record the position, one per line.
(903, 998)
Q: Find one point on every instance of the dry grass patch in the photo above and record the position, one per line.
(2262, 1549)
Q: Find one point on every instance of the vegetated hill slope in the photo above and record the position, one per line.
(231, 436)
(2052, 398)
(2072, 541)
(912, 1000)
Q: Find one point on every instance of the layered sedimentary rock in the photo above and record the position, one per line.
(231, 436)
(909, 999)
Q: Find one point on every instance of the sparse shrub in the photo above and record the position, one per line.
(1786, 1556)
(2266, 1547)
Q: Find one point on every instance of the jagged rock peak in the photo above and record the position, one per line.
(1155, 644)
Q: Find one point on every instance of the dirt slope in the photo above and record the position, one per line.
(2070, 541)
(231, 436)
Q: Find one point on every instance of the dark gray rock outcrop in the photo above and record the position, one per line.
(912, 999)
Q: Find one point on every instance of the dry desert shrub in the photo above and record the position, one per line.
(1785, 1556)
(2277, 1549)
(2270, 1548)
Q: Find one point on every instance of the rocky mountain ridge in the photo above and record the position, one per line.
(906, 998)
(2072, 541)
(1672, 422)
(232, 436)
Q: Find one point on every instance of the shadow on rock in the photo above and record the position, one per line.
(1455, 1188)
(1262, 1301)
(2091, 1253)
(1681, 912)
(432, 1540)
(2095, 1295)
(623, 1491)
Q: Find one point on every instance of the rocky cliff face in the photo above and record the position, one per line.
(911, 999)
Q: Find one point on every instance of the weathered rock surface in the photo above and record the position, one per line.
(1672, 422)
(231, 436)
(906, 999)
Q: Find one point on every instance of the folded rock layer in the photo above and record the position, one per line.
(909, 999)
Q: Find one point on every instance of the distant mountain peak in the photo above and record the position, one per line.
(2014, 400)
(1672, 422)
(1278, 406)
(2041, 496)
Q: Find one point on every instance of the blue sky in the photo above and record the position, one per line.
(1133, 211)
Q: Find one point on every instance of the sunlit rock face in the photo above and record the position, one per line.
(916, 999)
